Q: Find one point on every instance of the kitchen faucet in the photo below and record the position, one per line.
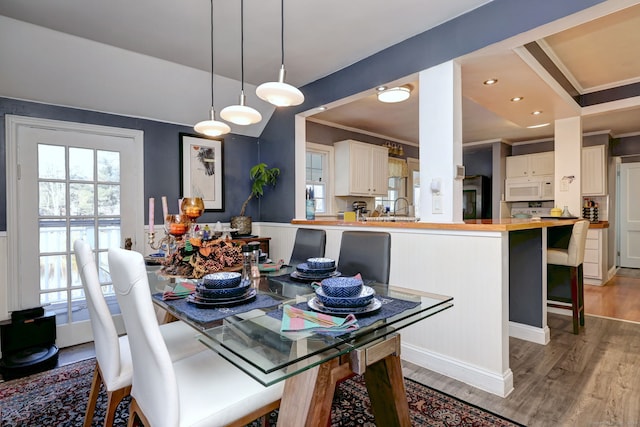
(395, 202)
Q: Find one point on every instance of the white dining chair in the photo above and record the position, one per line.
(113, 358)
(200, 390)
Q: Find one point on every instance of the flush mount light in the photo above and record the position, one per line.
(490, 82)
(517, 98)
(395, 94)
(212, 127)
(537, 112)
(538, 126)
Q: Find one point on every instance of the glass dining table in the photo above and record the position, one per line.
(312, 362)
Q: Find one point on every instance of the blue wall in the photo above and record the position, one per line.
(488, 24)
(161, 157)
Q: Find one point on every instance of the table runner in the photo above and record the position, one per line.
(207, 316)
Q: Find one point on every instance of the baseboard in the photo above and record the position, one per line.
(530, 333)
(498, 384)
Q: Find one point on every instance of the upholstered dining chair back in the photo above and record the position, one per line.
(367, 253)
(309, 243)
(154, 384)
(116, 373)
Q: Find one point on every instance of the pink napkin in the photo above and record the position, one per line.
(180, 290)
(295, 319)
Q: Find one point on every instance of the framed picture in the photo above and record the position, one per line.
(201, 172)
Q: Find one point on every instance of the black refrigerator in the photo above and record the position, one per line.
(476, 197)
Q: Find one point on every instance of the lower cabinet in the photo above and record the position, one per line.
(595, 257)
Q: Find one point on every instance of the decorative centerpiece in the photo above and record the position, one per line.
(196, 257)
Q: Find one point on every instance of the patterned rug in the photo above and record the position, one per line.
(58, 398)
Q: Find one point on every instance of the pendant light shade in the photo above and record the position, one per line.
(241, 114)
(212, 127)
(279, 93)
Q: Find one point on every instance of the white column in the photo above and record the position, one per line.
(567, 159)
(440, 117)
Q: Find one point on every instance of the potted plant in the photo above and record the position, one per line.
(260, 175)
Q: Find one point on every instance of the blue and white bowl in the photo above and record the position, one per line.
(223, 279)
(305, 269)
(341, 287)
(360, 300)
(321, 263)
(214, 293)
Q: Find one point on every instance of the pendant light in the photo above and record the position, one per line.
(241, 114)
(212, 127)
(280, 93)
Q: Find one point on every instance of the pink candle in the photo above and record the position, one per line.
(152, 202)
(165, 209)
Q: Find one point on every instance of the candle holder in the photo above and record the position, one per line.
(192, 208)
(166, 241)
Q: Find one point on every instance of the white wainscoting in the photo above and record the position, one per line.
(470, 341)
(4, 291)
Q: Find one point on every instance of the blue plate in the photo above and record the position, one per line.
(365, 297)
(205, 292)
(305, 269)
(315, 304)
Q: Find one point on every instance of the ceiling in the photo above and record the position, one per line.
(594, 55)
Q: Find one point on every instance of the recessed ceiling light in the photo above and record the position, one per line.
(322, 108)
(381, 88)
(537, 112)
(490, 82)
(517, 98)
(538, 126)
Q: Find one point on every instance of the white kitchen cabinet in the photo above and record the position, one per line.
(594, 267)
(529, 165)
(361, 169)
(594, 171)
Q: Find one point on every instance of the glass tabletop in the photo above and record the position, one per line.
(253, 341)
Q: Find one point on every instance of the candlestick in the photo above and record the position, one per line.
(165, 209)
(152, 202)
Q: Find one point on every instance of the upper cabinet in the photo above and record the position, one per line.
(594, 171)
(361, 169)
(530, 165)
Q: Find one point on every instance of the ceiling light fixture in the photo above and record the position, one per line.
(279, 93)
(536, 113)
(212, 127)
(517, 98)
(241, 114)
(395, 94)
(490, 82)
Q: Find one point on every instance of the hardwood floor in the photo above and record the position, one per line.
(619, 298)
(590, 379)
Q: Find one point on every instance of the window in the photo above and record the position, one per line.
(319, 159)
(396, 189)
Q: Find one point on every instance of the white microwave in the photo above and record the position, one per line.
(529, 189)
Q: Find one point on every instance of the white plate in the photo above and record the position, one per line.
(316, 305)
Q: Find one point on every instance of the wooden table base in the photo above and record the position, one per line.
(307, 397)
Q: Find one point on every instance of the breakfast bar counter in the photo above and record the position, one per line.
(494, 269)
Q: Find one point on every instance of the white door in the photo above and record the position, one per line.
(73, 181)
(629, 215)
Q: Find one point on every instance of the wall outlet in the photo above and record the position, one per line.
(436, 204)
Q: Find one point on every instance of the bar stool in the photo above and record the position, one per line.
(558, 260)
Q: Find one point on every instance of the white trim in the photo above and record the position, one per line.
(361, 131)
(530, 333)
(461, 371)
(329, 173)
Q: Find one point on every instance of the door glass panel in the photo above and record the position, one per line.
(108, 166)
(108, 199)
(80, 164)
(103, 273)
(109, 233)
(53, 298)
(81, 199)
(81, 228)
(51, 162)
(52, 198)
(53, 272)
(53, 235)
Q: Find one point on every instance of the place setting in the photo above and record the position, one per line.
(222, 289)
(343, 296)
(315, 269)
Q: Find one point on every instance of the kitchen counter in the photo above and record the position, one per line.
(599, 224)
(504, 224)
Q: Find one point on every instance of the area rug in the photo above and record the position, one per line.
(58, 398)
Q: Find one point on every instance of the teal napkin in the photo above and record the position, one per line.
(295, 319)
